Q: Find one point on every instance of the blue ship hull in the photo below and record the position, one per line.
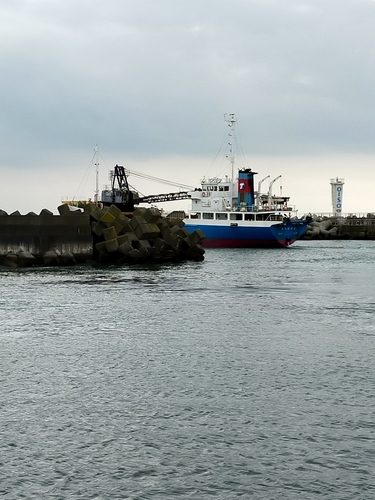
(236, 236)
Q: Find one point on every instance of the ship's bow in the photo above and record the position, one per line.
(289, 231)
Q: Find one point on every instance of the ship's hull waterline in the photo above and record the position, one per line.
(236, 236)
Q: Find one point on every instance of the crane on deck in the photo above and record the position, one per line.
(122, 196)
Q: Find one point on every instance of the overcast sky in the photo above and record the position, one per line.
(150, 80)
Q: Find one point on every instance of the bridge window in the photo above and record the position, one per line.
(235, 216)
(195, 216)
(263, 216)
(221, 216)
(249, 217)
(208, 216)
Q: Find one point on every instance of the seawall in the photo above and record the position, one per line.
(37, 234)
(351, 227)
(99, 234)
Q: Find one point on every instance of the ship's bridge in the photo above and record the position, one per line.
(216, 184)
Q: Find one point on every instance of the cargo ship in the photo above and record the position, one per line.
(231, 214)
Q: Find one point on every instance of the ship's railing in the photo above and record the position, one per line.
(76, 203)
(273, 207)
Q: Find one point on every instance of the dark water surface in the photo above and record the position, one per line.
(248, 375)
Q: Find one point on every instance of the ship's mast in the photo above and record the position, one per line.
(96, 197)
(231, 120)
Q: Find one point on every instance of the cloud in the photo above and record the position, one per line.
(153, 78)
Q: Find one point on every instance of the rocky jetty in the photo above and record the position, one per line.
(95, 234)
(145, 236)
(350, 227)
(320, 229)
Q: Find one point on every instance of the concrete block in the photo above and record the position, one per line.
(101, 247)
(98, 227)
(172, 240)
(154, 229)
(111, 245)
(140, 211)
(152, 215)
(178, 222)
(3, 212)
(125, 248)
(52, 257)
(127, 238)
(182, 245)
(66, 209)
(67, 259)
(117, 226)
(45, 211)
(122, 219)
(326, 224)
(165, 229)
(146, 231)
(107, 218)
(144, 252)
(167, 221)
(109, 233)
(31, 214)
(195, 252)
(143, 244)
(104, 258)
(155, 254)
(125, 223)
(178, 231)
(196, 237)
(97, 213)
(25, 259)
(135, 255)
(10, 260)
(160, 244)
(116, 212)
(15, 213)
(89, 207)
(136, 221)
(168, 254)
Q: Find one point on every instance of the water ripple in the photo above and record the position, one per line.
(248, 375)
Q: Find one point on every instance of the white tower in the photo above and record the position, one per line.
(337, 187)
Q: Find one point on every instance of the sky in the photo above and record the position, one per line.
(149, 81)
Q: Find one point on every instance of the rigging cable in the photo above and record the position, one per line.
(83, 182)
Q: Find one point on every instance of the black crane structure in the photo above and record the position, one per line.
(121, 195)
(125, 199)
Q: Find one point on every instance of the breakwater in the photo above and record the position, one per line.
(96, 234)
(350, 227)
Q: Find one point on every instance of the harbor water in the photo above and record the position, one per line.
(248, 375)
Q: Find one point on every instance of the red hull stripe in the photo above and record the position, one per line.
(225, 243)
